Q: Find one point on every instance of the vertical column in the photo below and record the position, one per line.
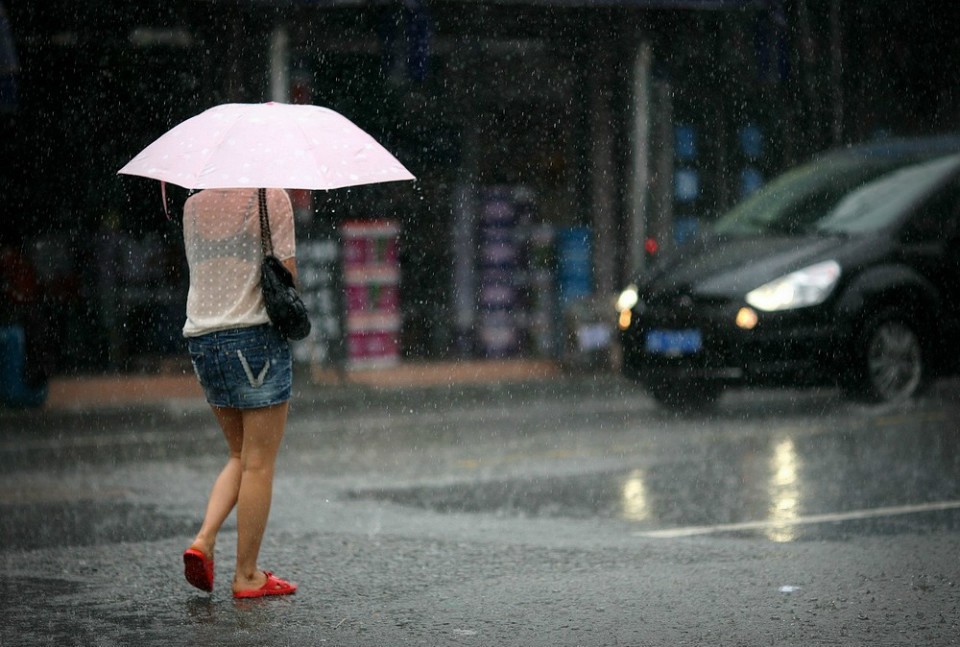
(603, 178)
(639, 179)
(279, 65)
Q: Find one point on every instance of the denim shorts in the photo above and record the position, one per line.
(243, 368)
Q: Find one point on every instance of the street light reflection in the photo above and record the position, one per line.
(634, 504)
(784, 491)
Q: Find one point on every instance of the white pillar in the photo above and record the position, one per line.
(279, 65)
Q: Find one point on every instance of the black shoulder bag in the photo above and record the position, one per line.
(284, 305)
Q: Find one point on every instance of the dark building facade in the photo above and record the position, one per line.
(628, 121)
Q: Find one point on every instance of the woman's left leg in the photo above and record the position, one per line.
(263, 431)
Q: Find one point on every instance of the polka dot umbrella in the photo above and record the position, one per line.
(267, 145)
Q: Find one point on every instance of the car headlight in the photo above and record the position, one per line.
(806, 287)
(627, 299)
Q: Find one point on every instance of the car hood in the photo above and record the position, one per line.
(730, 268)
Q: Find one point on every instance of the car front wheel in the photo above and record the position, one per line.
(890, 360)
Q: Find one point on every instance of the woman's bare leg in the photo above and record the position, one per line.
(262, 432)
(226, 489)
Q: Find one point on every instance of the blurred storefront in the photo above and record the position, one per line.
(527, 123)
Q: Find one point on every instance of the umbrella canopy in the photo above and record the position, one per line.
(267, 145)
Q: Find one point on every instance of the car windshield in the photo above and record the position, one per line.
(795, 201)
(878, 203)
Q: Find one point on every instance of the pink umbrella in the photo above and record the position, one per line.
(267, 145)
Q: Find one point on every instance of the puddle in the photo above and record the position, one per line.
(682, 495)
(578, 497)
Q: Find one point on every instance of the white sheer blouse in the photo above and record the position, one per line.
(221, 235)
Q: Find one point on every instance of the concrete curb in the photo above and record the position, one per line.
(110, 391)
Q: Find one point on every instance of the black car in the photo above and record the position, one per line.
(843, 271)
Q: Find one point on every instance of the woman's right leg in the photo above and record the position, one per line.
(226, 489)
(262, 432)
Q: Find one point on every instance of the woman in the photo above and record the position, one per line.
(244, 367)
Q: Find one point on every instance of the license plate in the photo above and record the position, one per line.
(674, 342)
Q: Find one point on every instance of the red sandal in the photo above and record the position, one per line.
(198, 569)
(273, 586)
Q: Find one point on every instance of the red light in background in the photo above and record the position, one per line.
(651, 246)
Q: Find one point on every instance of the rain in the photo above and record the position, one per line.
(633, 322)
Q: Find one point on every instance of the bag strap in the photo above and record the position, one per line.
(266, 238)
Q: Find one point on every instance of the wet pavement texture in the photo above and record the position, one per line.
(522, 515)
(85, 523)
(734, 480)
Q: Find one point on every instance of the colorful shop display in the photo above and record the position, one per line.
(371, 277)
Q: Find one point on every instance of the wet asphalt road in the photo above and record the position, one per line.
(572, 512)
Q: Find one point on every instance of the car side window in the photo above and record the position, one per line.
(937, 220)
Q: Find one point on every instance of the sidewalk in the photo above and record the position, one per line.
(94, 392)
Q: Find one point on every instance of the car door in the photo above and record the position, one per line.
(930, 242)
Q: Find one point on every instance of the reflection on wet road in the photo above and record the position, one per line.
(849, 471)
